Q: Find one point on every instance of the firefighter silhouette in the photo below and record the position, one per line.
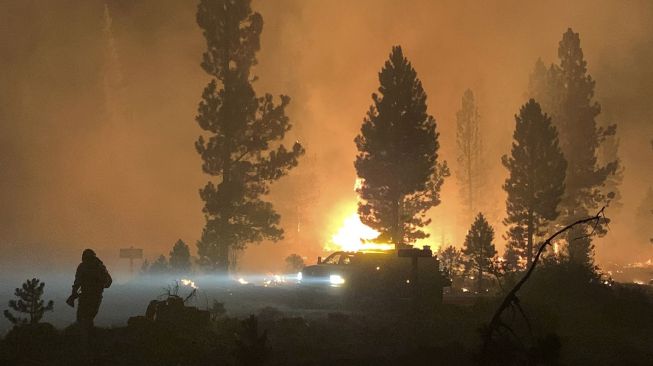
(91, 279)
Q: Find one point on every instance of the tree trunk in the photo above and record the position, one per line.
(529, 243)
(397, 238)
(470, 188)
(480, 279)
(480, 269)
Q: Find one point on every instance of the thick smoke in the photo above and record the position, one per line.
(96, 143)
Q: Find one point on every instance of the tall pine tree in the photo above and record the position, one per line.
(470, 152)
(398, 156)
(479, 248)
(535, 185)
(241, 148)
(567, 92)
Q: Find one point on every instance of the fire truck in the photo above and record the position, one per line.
(378, 276)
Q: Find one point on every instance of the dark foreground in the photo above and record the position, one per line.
(572, 322)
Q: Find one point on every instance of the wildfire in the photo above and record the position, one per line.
(354, 236)
(189, 283)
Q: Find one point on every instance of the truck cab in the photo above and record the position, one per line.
(387, 275)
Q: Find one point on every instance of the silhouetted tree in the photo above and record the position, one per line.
(545, 85)
(536, 178)
(398, 156)
(29, 302)
(479, 247)
(515, 249)
(643, 214)
(180, 257)
(242, 148)
(160, 266)
(567, 91)
(145, 267)
(511, 260)
(470, 153)
(294, 263)
(609, 152)
(452, 261)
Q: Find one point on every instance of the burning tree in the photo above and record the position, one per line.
(242, 148)
(397, 157)
(566, 92)
(29, 302)
(536, 182)
(479, 247)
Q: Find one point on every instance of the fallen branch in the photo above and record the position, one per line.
(511, 298)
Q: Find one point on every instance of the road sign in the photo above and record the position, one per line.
(131, 253)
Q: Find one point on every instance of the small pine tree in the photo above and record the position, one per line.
(479, 248)
(452, 261)
(294, 263)
(29, 302)
(145, 267)
(180, 257)
(160, 266)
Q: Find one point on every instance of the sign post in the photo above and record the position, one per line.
(131, 253)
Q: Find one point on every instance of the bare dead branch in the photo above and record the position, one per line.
(511, 298)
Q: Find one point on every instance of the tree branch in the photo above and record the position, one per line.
(511, 297)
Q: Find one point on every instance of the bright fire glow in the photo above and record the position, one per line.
(190, 283)
(354, 236)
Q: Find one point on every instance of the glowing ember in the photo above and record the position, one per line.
(355, 236)
(189, 283)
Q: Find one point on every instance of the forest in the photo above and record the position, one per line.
(425, 193)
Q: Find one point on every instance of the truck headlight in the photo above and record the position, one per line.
(299, 276)
(335, 279)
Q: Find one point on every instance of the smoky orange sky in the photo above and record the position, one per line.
(97, 119)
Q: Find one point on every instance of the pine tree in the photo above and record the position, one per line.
(479, 248)
(643, 218)
(512, 259)
(180, 257)
(545, 85)
(535, 184)
(451, 261)
(397, 157)
(470, 153)
(145, 267)
(242, 148)
(515, 249)
(567, 94)
(160, 266)
(29, 302)
(609, 152)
